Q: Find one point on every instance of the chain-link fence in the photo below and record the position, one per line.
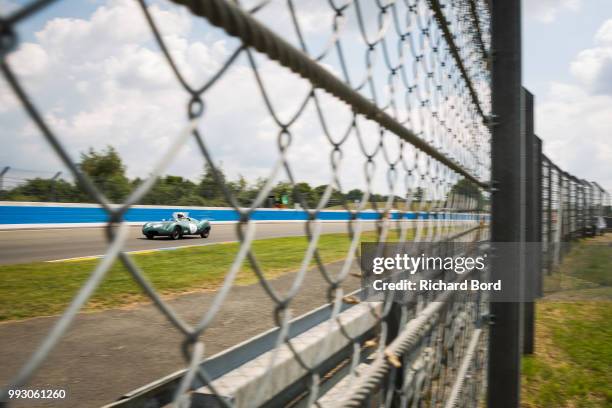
(559, 209)
(571, 208)
(415, 77)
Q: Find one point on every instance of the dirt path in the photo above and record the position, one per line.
(106, 354)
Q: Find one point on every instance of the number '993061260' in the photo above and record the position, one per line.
(37, 394)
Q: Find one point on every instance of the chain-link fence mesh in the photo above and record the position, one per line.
(415, 76)
(571, 208)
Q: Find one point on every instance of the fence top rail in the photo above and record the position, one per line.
(239, 23)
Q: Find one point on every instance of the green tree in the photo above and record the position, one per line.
(377, 198)
(354, 195)
(305, 192)
(238, 186)
(107, 171)
(466, 188)
(39, 189)
(209, 188)
(174, 190)
(250, 192)
(336, 197)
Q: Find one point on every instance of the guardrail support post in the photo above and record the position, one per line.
(506, 224)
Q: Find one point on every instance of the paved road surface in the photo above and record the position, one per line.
(20, 246)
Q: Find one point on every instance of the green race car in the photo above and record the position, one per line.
(179, 225)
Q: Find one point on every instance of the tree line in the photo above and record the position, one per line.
(108, 172)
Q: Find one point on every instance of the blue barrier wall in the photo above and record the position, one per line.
(62, 214)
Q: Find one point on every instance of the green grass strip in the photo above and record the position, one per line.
(571, 365)
(43, 288)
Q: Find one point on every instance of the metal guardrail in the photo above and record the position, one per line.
(161, 392)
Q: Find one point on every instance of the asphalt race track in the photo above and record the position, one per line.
(108, 353)
(19, 246)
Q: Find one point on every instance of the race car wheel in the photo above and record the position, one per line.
(176, 233)
(205, 233)
(150, 236)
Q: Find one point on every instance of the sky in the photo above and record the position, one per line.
(567, 65)
(98, 77)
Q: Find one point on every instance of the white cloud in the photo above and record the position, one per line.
(575, 127)
(32, 60)
(101, 80)
(604, 34)
(593, 66)
(546, 11)
(575, 119)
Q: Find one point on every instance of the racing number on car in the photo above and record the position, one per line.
(193, 227)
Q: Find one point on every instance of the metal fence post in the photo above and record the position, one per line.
(581, 207)
(584, 204)
(551, 237)
(530, 224)
(504, 340)
(574, 201)
(539, 220)
(574, 207)
(588, 203)
(567, 214)
(566, 207)
(562, 206)
(570, 207)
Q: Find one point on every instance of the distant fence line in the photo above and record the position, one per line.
(569, 206)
